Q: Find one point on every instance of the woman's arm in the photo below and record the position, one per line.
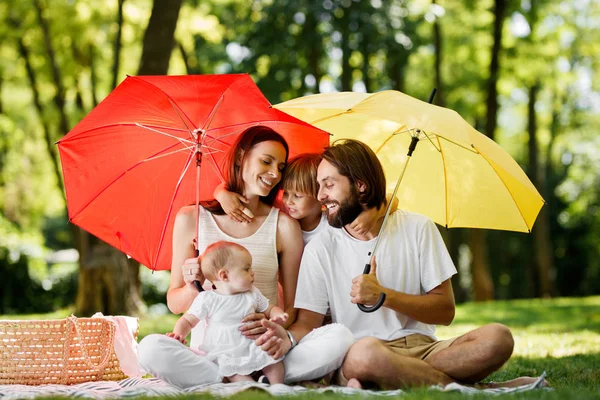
(181, 291)
(289, 249)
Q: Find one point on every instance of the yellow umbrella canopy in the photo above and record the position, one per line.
(456, 176)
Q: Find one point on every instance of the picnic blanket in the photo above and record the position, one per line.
(134, 387)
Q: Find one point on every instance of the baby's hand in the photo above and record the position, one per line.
(232, 204)
(177, 337)
(279, 319)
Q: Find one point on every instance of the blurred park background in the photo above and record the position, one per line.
(524, 72)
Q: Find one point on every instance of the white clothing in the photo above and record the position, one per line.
(262, 246)
(307, 236)
(317, 354)
(411, 258)
(224, 344)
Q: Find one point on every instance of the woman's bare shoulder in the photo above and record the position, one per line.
(287, 224)
(186, 215)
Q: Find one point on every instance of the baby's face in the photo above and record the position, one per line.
(300, 205)
(241, 275)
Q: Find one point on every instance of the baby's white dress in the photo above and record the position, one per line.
(223, 343)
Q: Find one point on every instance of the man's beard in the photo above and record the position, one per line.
(348, 210)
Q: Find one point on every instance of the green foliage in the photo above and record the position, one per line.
(294, 48)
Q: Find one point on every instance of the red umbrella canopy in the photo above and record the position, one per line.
(130, 164)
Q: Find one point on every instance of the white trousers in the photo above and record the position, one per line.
(317, 354)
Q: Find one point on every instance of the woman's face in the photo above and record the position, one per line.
(262, 168)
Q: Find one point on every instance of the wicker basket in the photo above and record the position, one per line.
(67, 351)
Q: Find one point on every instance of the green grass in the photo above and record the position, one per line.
(559, 336)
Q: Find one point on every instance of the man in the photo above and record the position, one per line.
(395, 345)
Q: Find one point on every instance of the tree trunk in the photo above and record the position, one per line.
(24, 52)
(185, 56)
(345, 45)
(437, 43)
(98, 289)
(452, 237)
(315, 50)
(159, 38)
(492, 85)
(543, 260)
(365, 65)
(118, 44)
(59, 97)
(483, 287)
(93, 76)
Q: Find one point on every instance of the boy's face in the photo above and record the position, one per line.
(300, 205)
(241, 275)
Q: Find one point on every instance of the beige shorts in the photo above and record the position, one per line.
(414, 346)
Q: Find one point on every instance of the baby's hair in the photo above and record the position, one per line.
(216, 256)
(301, 174)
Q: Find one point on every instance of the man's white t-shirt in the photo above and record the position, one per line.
(411, 258)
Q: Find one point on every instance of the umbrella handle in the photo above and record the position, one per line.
(379, 303)
(197, 283)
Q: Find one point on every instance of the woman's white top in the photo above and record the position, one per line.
(262, 246)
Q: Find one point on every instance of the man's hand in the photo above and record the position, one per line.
(366, 288)
(275, 340)
(252, 327)
(177, 337)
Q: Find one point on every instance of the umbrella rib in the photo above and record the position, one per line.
(182, 140)
(76, 137)
(180, 117)
(152, 158)
(507, 189)
(213, 112)
(170, 210)
(330, 117)
(218, 139)
(137, 164)
(173, 104)
(445, 178)
(459, 145)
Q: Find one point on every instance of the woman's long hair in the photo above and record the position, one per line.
(234, 164)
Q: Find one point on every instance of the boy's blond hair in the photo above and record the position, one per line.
(301, 174)
(216, 257)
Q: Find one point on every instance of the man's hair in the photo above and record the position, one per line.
(301, 174)
(234, 164)
(357, 162)
(216, 257)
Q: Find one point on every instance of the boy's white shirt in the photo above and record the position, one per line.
(307, 236)
(411, 259)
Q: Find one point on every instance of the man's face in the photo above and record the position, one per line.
(339, 197)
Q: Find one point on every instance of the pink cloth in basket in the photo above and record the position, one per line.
(126, 347)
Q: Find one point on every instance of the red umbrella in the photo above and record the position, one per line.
(130, 164)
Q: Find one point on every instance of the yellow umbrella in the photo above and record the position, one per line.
(457, 176)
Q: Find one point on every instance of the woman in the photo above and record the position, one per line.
(254, 170)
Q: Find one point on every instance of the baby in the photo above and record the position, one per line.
(229, 267)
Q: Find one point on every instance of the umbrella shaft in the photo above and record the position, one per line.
(389, 205)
